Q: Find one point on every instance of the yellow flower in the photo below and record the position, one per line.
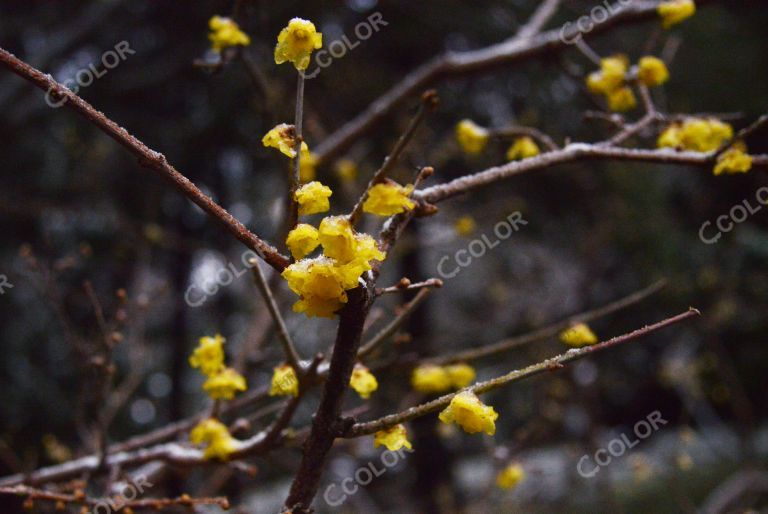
(465, 225)
(282, 137)
(284, 381)
(471, 137)
(214, 434)
(523, 148)
(224, 384)
(460, 375)
(429, 378)
(467, 411)
(318, 283)
(307, 164)
(226, 33)
(346, 170)
(302, 240)
(673, 12)
(338, 238)
(510, 476)
(313, 198)
(389, 198)
(365, 250)
(652, 71)
(696, 134)
(611, 75)
(622, 100)
(734, 160)
(363, 381)
(578, 335)
(393, 438)
(296, 42)
(671, 137)
(209, 355)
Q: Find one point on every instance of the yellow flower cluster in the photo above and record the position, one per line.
(284, 381)
(467, 411)
(696, 135)
(510, 476)
(313, 198)
(222, 382)
(523, 148)
(734, 160)
(215, 436)
(610, 81)
(388, 198)
(471, 137)
(296, 42)
(225, 33)
(322, 282)
(673, 12)
(578, 335)
(393, 438)
(652, 71)
(430, 378)
(363, 381)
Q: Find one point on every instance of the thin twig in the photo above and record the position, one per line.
(428, 100)
(370, 427)
(744, 133)
(291, 355)
(147, 157)
(535, 134)
(393, 325)
(295, 179)
(540, 17)
(406, 285)
(450, 64)
(550, 330)
(571, 153)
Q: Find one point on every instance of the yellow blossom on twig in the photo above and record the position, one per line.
(282, 137)
(363, 381)
(313, 198)
(389, 198)
(302, 240)
(467, 411)
(225, 33)
(578, 335)
(673, 12)
(209, 355)
(734, 160)
(510, 476)
(215, 436)
(284, 381)
(471, 137)
(523, 148)
(393, 438)
(652, 71)
(296, 42)
(224, 384)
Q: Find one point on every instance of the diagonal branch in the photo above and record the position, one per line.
(393, 325)
(147, 157)
(512, 50)
(571, 153)
(360, 429)
(550, 330)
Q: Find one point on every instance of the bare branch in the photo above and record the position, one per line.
(550, 330)
(406, 285)
(147, 157)
(393, 325)
(360, 429)
(510, 51)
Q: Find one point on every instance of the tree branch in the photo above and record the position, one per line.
(147, 157)
(360, 429)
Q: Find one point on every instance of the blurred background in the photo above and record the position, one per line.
(81, 220)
